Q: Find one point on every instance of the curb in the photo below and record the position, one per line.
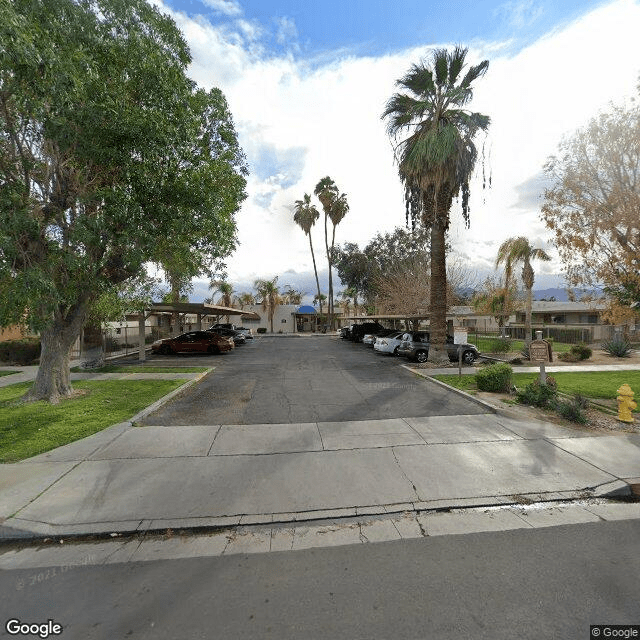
(464, 394)
(9, 534)
(172, 394)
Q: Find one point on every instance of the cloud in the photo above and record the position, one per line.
(225, 7)
(519, 14)
(531, 192)
(300, 119)
(286, 30)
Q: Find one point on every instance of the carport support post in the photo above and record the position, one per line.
(141, 336)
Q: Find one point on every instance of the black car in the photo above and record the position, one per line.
(238, 338)
(358, 330)
(415, 346)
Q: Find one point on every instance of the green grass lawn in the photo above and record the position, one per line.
(36, 427)
(8, 373)
(592, 384)
(114, 368)
(485, 345)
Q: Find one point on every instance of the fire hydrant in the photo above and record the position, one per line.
(625, 403)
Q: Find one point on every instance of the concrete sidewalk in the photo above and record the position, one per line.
(130, 479)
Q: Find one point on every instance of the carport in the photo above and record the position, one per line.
(201, 310)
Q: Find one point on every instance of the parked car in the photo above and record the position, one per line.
(388, 343)
(193, 342)
(415, 346)
(247, 333)
(371, 338)
(345, 332)
(236, 336)
(223, 325)
(358, 331)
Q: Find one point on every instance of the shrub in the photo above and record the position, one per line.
(21, 352)
(573, 409)
(569, 356)
(261, 330)
(500, 345)
(618, 347)
(581, 351)
(495, 378)
(539, 395)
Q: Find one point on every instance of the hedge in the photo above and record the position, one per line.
(21, 352)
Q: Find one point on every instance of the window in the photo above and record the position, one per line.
(283, 321)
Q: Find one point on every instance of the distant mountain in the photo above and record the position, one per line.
(553, 292)
(560, 295)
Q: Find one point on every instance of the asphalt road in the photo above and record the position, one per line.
(296, 380)
(524, 584)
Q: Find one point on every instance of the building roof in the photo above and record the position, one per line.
(202, 308)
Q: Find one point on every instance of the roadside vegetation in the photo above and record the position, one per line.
(27, 429)
(591, 384)
(7, 373)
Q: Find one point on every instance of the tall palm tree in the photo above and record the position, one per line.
(305, 216)
(226, 289)
(335, 208)
(291, 295)
(510, 253)
(245, 299)
(270, 294)
(436, 158)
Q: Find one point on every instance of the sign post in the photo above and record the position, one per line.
(539, 352)
(459, 338)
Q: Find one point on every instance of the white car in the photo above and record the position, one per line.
(389, 344)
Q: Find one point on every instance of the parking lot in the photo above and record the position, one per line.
(304, 379)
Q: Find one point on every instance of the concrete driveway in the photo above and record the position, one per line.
(276, 380)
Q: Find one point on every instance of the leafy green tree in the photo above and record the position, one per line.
(269, 293)
(108, 152)
(305, 216)
(519, 250)
(353, 268)
(436, 158)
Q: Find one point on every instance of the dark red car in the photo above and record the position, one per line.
(193, 342)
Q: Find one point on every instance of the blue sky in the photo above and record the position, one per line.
(375, 27)
(307, 82)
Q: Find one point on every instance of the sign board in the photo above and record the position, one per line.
(539, 351)
(459, 335)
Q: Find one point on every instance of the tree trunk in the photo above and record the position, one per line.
(326, 246)
(53, 378)
(438, 286)
(175, 299)
(315, 270)
(528, 279)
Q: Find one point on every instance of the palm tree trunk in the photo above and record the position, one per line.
(315, 270)
(438, 287)
(326, 246)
